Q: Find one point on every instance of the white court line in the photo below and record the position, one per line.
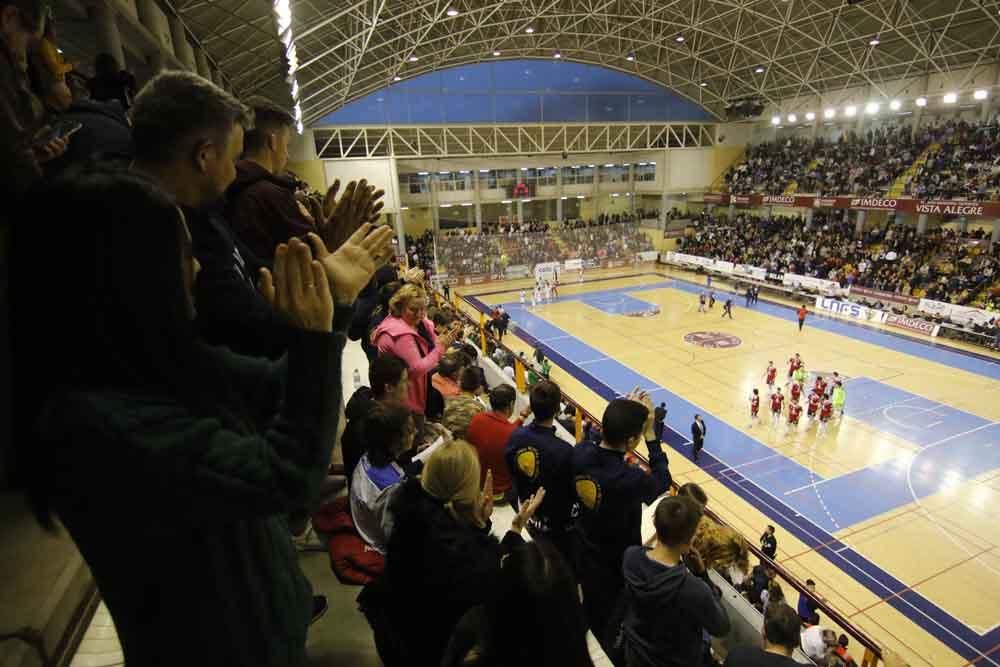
(590, 361)
(822, 481)
(985, 659)
(546, 340)
(884, 407)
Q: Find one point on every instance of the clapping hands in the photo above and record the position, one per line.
(359, 204)
(641, 396)
(298, 288)
(354, 263)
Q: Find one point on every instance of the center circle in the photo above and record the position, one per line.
(715, 340)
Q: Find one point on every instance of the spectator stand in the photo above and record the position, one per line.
(872, 652)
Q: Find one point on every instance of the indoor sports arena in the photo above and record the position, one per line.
(503, 334)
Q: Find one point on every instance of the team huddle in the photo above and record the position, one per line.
(825, 398)
(543, 292)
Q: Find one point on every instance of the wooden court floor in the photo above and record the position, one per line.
(940, 544)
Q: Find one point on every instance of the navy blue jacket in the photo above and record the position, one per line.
(537, 458)
(611, 494)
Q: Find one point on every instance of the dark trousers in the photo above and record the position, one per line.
(658, 430)
(564, 542)
(801, 322)
(602, 587)
(698, 444)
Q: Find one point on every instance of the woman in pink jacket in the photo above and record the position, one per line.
(408, 334)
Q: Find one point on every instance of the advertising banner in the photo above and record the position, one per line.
(912, 324)
(808, 282)
(546, 271)
(869, 293)
(517, 271)
(902, 204)
(849, 310)
(574, 264)
(747, 271)
(647, 255)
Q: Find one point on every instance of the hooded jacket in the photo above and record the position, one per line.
(263, 211)
(668, 607)
(396, 336)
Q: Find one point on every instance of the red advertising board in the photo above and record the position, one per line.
(902, 204)
(912, 324)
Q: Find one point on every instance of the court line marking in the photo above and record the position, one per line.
(793, 510)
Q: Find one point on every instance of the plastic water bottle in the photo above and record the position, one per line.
(357, 378)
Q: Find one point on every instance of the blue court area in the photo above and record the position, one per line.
(953, 446)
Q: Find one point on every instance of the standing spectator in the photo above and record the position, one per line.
(698, 431)
(670, 600)
(659, 417)
(389, 432)
(489, 432)
(611, 493)
(769, 543)
(408, 334)
(818, 643)
(808, 605)
(261, 204)
(440, 550)
(537, 590)
(781, 636)
(538, 458)
(111, 83)
(134, 421)
(459, 410)
(801, 314)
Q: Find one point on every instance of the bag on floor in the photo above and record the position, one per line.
(352, 560)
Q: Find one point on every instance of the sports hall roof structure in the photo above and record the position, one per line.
(711, 51)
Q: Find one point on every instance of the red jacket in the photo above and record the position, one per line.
(489, 432)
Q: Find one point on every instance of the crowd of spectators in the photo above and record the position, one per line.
(869, 163)
(941, 264)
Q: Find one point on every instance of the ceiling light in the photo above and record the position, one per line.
(526, 201)
(557, 54)
(950, 98)
(872, 108)
(590, 166)
(564, 198)
(895, 105)
(920, 101)
(484, 171)
(467, 203)
(615, 194)
(775, 120)
(446, 205)
(581, 197)
(397, 78)
(506, 201)
(524, 169)
(422, 173)
(829, 113)
(452, 11)
(630, 57)
(792, 118)
(980, 94)
(496, 53)
(810, 116)
(529, 30)
(759, 70)
(703, 84)
(873, 41)
(850, 111)
(679, 38)
(414, 59)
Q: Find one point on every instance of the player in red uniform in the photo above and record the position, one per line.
(814, 403)
(777, 400)
(796, 391)
(770, 375)
(754, 407)
(793, 365)
(825, 412)
(794, 411)
(820, 387)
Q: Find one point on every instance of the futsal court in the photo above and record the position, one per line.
(892, 510)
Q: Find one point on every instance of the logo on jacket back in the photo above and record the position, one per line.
(589, 492)
(527, 462)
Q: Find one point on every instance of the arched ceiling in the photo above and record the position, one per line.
(348, 48)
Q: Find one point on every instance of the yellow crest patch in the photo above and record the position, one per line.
(588, 492)
(527, 462)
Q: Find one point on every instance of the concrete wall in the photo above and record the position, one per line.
(379, 172)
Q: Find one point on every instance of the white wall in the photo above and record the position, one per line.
(379, 172)
(689, 168)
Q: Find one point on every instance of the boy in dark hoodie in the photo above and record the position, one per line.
(670, 603)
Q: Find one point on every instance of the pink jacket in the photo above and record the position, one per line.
(399, 338)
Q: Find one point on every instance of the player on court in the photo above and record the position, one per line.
(838, 396)
(795, 392)
(522, 297)
(794, 411)
(769, 375)
(825, 412)
(711, 299)
(701, 303)
(534, 297)
(814, 403)
(727, 308)
(777, 400)
(794, 363)
(581, 273)
(820, 387)
(754, 407)
(801, 375)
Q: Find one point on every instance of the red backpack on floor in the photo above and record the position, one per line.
(351, 558)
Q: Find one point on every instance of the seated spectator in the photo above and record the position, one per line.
(261, 204)
(387, 379)
(448, 371)
(489, 432)
(442, 560)
(611, 494)
(780, 636)
(134, 422)
(536, 590)
(408, 334)
(388, 433)
(536, 458)
(459, 410)
(670, 605)
(773, 593)
(808, 606)
(760, 578)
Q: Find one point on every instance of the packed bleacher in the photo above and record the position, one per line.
(960, 163)
(178, 413)
(939, 265)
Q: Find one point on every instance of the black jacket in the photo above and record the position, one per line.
(437, 569)
(698, 434)
(667, 609)
(231, 311)
(659, 414)
(104, 135)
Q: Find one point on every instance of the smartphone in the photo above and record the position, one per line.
(62, 129)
